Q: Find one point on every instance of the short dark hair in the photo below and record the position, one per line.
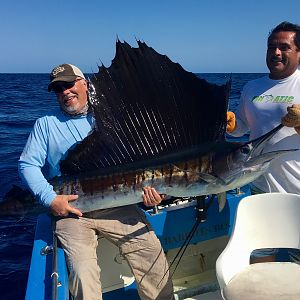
(287, 26)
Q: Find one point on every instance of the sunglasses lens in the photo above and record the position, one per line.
(59, 87)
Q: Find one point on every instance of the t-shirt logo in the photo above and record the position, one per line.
(272, 99)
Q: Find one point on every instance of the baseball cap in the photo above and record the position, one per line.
(64, 72)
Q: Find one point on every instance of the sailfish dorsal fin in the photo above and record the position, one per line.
(146, 106)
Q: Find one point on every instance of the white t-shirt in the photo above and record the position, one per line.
(262, 105)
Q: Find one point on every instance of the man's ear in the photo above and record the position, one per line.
(86, 83)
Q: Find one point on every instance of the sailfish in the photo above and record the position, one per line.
(156, 125)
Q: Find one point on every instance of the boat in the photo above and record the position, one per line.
(194, 277)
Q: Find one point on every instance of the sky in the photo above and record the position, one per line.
(204, 36)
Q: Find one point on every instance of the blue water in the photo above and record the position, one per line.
(24, 98)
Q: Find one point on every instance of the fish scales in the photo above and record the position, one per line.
(180, 174)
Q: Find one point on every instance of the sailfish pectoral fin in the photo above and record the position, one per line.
(221, 200)
(209, 178)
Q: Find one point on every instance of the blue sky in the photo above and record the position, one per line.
(202, 35)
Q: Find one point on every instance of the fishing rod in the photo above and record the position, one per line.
(200, 218)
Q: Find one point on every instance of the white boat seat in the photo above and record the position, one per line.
(268, 220)
(265, 281)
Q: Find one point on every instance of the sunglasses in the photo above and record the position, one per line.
(60, 86)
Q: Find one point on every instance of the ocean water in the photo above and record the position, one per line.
(24, 98)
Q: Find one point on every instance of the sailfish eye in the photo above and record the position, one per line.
(245, 150)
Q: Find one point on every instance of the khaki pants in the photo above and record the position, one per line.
(127, 228)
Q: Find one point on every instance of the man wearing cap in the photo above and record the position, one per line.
(127, 227)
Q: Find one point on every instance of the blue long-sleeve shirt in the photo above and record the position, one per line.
(52, 136)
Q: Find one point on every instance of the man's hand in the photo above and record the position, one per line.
(151, 197)
(292, 118)
(231, 122)
(60, 206)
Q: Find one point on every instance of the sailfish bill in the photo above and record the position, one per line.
(156, 125)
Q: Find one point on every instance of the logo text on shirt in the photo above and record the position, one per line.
(273, 99)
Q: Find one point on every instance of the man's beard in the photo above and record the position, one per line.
(73, 110)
